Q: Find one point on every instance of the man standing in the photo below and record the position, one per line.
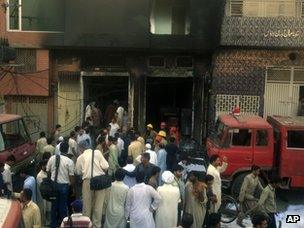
(30, 211)
(30, 183)
(145, 167)
(73, 146)
(267, 201)
(113, 155)
(110, 111)
(246, 198)
(150, 134)
(135, 148)
(57, 133)
(44, 205)
(115, 215)
(172, 151)
(65, 177)
(215, 169)
(129, 167)
(153, 155)
(7, 176)
(41, 143)
(114, 127)
(142, 201)
(120, 111)
(167, 212)
(83, 136)
(49, 147)
(92, 200)
(162, 159)
(178, 182)
(120, 143)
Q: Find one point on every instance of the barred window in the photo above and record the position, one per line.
(27, 59)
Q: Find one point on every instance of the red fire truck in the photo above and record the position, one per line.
(15, 140)
(276, 145)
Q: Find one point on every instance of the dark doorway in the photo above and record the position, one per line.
(104, 90)
(170, 100)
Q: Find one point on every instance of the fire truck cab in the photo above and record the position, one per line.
(276, 145)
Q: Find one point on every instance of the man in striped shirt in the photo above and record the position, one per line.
(76, 219)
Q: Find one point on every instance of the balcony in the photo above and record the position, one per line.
(263, 23)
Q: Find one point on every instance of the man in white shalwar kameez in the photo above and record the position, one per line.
(115, 216)
(166, 214)
(215, 169)
(142, 201)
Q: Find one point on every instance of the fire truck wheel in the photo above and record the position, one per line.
(237, 184)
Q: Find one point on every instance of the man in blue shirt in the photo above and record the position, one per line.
(30, 183)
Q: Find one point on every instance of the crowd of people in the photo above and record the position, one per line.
(152, 186)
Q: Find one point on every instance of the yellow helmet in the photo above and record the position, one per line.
(150, 126)
(162, 134)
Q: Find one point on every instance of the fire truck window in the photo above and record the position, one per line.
(295, 139)
(241, 137)
(261, 138)
(13, 134)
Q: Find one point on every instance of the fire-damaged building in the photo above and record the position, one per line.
(161, 59)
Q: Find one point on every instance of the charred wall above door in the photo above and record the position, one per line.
(128, 24)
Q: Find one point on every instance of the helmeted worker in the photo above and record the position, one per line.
(160, 138)
(150, 134)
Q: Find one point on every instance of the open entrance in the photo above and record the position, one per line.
(104, 90)
(170, 100)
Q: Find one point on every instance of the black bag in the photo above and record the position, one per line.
(99, 182)
(48, 188)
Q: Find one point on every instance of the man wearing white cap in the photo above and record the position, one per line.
(166, 214)
(153, 155)
(57, 148)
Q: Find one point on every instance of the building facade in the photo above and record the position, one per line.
(151, 55)
(260, 64)
(186, 61)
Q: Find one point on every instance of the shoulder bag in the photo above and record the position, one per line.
(48, 188)
(99, 182)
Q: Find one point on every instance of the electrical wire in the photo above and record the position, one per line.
(22, 104)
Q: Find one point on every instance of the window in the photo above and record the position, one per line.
(295, 139)
(12, 134)
(240, 137)
(261, 138)
(35, 15)
(170, 17)
(265, 8)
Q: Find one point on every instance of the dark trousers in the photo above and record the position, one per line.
(59, 207)
(272, 221)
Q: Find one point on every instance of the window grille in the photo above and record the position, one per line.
(248, 104)
(26, 57)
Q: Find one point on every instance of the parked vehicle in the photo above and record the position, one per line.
(10, 214)
(15, 140)
(276, 145)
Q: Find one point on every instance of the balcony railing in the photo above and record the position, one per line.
(265, 8)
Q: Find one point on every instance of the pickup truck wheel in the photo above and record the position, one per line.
(237, 184)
